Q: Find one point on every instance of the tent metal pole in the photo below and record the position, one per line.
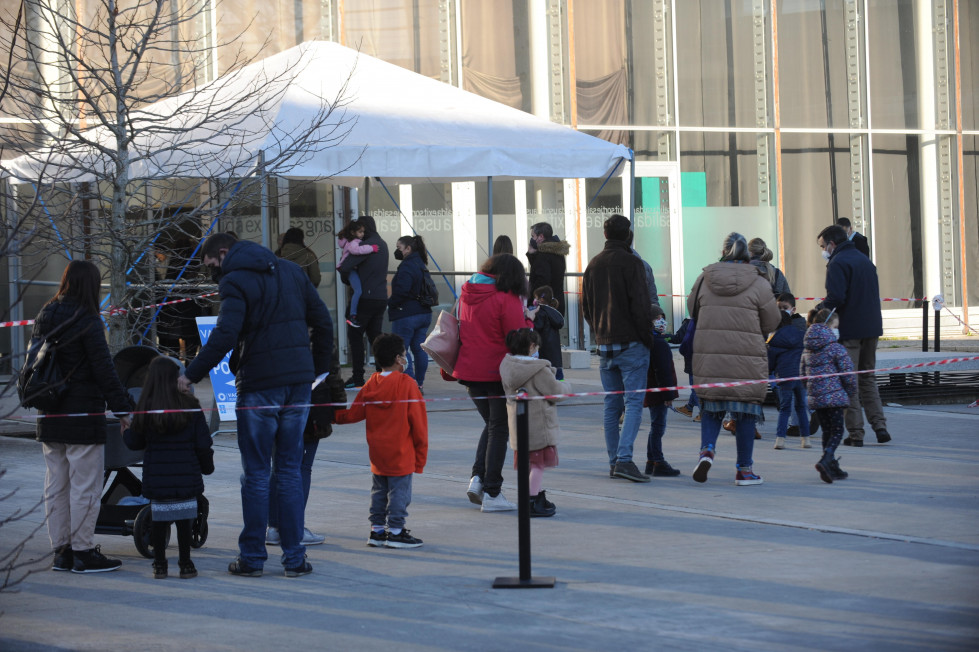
(265, 198)
(489, 221)
(632, 189)
(367, 196)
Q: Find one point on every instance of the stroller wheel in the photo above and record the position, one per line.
(141, 532)
(198, 529)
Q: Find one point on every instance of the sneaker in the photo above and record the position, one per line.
(757, 434)
(187, 570)
(730, 425)
(353, 383)
(475, 490)
(696, 419)
(304, 568)
(272, 537)
(746, 477)
(685, 410)
(630, 471)
(883, 436)
(63, 559)
(310, 539)
(703, 465)
(779, 443)
(804, 442)
(93, 561)
(238, 568)
(160, 570)
(792, 431)
(497, 503)
(663, 470)
(850, 441)
(611, 470)
(377, 539)
(403, 539)
(836, 471)
(352, 322)
(538, 508)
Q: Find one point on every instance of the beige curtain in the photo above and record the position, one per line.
(489, 62)
(600, 66)
(402, 32)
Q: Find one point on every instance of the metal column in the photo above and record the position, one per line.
(946, 167)
(447, 20)
(661, 80)
(855, 63)
(759, 52)
(555, 49)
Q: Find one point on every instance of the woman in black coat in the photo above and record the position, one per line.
(73, 446)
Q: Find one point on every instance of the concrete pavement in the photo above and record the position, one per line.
(888, 559)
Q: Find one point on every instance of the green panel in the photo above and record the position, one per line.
(693, 188)
(652, 232)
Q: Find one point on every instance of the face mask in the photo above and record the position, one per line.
(399, 255)
(826, 254)
(536, 303)
(659, 325)
(788, 312)
(216, 274)
(835, 332)
(535, 354)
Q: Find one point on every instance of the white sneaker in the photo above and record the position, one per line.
(310, 539)
(475, 491)
(272, 537)
(779, 443)
(497, 504)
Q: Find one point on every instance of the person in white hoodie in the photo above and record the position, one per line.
(522, 368)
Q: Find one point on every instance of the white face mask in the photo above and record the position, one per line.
(535, 354)
(788, 312)
(835, 332)
(659, 325)
(826, 254)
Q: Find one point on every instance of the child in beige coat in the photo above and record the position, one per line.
(521, 368)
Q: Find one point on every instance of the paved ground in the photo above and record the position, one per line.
(888, 559)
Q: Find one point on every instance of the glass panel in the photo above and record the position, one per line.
(729, 162)
(897, 207)
(893, 82)
(716, 63)
(970, 173)
(311, 209)
(652, 239)
(812, 64)
(601, 71)
(504, 217)
(402, 32)
(816, 187)
(969, 24)
(433, 221)
(496, 50)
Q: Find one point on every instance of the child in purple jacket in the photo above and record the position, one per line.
(829, 397)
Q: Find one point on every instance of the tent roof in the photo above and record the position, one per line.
(402, 127)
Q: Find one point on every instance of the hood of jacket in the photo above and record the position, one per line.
(516, 371)
(818, 337)
(370, 226)
(245, 255)
(554, 246)
(479, 288)
(381, 388)
(730, 279)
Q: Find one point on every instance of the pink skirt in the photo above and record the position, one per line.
(545, 457)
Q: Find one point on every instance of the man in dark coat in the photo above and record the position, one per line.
(547, 254)
(615, 301)
(373, 270)
(858, 239)
(853, 291)
(268, 306)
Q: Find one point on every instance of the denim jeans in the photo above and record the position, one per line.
(272, 439)
(306, 472)
(626, 371)
(744, 434)
(390, 497)
(492, 446)
(657, 426)
(792, 393)
(355, 285)
(692, 402)
(413, 331)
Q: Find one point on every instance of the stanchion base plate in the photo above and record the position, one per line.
(517, 583)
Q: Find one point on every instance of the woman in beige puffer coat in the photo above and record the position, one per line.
(733, 307)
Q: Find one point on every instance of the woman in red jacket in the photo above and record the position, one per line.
(491, 305)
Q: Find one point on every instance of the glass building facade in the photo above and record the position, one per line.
(772, 118)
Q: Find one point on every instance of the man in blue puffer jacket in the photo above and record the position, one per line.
(268, 306)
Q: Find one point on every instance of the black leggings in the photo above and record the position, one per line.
(831, 421)
(158, 538)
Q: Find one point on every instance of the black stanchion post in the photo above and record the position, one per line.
(938, 326)
(924, 325)
(525, 581)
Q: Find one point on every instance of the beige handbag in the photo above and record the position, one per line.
(443, 343)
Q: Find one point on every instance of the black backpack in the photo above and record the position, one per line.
(429, 294)
(41, 383)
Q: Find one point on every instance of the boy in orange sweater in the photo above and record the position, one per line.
(397, 440)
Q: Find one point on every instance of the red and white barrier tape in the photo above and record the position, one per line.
(957, 318)
(734, 383)
(797, 298)
(117, 311)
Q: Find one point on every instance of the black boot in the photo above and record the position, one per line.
(159, 569)
(538, 508)
(836, 471)
(823, 466)
(187, 570)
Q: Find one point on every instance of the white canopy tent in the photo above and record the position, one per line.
(402, 127)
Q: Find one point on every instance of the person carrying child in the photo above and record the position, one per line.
(830, 396)
(349, 242)
(548, 324)
(178, 452)
(522, 368)
(784, 352)
(661, 373)
(397, 440)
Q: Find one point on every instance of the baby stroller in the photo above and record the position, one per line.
(123, 509)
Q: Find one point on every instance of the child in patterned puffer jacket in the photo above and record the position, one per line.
(829, 397)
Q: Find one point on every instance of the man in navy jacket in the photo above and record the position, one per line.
(853, 290)
(268, 306)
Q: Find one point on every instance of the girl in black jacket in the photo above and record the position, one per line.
(178, 451)
(548, 324)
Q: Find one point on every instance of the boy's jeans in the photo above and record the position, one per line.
(390, 497)
(792, 392)
(625, 371)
